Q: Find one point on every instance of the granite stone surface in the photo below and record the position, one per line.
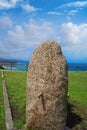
(47, 81)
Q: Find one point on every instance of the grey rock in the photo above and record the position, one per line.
(46, 105)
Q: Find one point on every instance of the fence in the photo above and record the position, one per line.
(14, 66)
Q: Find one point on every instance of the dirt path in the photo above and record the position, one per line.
(8, 115)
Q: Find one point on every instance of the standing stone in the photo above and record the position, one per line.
(46, 107)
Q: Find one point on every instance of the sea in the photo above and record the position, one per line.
(16, 67)
(71, 67)
(77, 66)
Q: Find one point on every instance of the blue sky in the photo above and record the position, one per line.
(24, 24)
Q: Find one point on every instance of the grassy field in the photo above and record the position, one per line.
(77, 100)
(2, 114)
(16, 86)
(78, 87)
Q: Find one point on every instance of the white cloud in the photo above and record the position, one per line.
(21, 38)
(73, 12)
(70, 33)
(74, 41)
(74, 34)
(6, 4)
(30, 34)
(27, 36)
(75, 4)
(54, 13)
(5, 21)
(29, 8)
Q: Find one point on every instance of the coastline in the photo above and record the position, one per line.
(72, 67)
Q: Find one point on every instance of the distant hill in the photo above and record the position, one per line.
(7, 61)
(13, 61)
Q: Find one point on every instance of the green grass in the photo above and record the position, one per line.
(16, 86)
(77, 88)
(2, 113)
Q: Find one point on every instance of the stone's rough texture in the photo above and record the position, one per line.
(47, 88)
